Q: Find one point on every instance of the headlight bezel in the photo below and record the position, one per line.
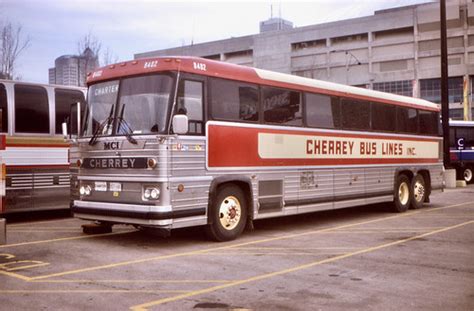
(151, 192)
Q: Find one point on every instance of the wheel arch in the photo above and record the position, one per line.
(243, 182)
(404, 171)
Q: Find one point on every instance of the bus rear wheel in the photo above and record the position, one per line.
(401, 196)
(418, 191)
(228, 214)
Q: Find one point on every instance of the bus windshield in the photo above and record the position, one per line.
(136, 105)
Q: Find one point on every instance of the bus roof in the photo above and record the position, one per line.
(72, 87)
(461, 123)
(224, 70)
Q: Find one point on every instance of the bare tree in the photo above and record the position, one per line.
(89, 41)
(91, 55)
(88, 49)
(109, 57)
(12, 44)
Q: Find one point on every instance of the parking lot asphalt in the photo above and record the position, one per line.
(364, 258)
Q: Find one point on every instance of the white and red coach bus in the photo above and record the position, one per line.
(33, 155)
(181, 141)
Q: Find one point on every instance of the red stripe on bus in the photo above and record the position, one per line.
(38, 166)
(3, 142)
(38, 145)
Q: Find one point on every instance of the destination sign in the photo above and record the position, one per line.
(124, 163)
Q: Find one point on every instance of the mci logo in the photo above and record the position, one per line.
(113, 145)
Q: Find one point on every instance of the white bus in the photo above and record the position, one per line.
(182, 141)
(33, 155)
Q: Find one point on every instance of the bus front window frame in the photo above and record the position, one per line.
(116, 116)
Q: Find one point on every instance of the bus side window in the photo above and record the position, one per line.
(468, 134)
(3, 109)
(407, 120)
(31, 109)
(355, 114)
(428, 122)
(322, 111)
(383, 117)
(64, 99)
(282, 106)
(233, 100)
(190, 103)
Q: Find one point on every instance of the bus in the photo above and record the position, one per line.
(33, 154)
(182, 141)
(462, 149)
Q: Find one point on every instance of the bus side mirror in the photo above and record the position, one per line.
(180, 124)
(72, 126)
(64, 127)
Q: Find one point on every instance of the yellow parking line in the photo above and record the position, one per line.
(60, 228)
(295, 248)
(133, 281)
(147, 305)
(100, 291)
(41, 222)
(190, 253)
(411, 229)
(16, 275)
(267, 254)
(64, 239)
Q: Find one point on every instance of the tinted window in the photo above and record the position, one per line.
(143, 104)
(429, 122)
(232, 100)
(281, 106)
(355, 114)
(383, 117)
(467, 133)
(322, 111)
(64, 100)
(101, 101)
(3, 109)
(407, 120)
(190, 99)
(31, 109)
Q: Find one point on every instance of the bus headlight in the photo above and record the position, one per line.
(151, 193)
(85, 190)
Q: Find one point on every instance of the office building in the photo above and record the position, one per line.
(72, 69)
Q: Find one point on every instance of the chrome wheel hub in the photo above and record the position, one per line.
(467, 175)
(419, 191)
(403, 193)
(230, 211)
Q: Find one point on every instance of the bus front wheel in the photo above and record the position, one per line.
(401, 196)
(228, 214)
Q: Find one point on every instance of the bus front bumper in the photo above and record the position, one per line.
(150, 215)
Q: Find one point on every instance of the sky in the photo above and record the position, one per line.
(127, 27)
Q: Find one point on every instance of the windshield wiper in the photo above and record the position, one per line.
(127, 127)
(107, 122)
(128, 130)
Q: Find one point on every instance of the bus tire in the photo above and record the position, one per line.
(401, 195)
(418, 192)
(467, 174)
(228, 214)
